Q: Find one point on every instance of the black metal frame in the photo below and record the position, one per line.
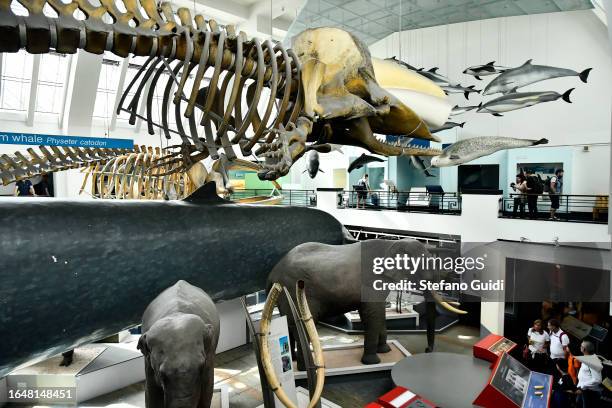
(572, 207)
(408, 201)
(302, 198)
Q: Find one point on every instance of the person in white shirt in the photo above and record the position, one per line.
(559, 342)
(538, 340)
(589, 381)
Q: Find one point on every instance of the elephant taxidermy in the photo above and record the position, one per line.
(332, 274)
(180, 331)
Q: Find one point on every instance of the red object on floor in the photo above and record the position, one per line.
(493, 346)
(491, 397)
(373, 405)
(401, 397)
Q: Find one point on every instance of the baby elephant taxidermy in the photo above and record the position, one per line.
(180, 331)
(332, 274)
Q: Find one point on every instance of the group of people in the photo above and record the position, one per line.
(529, 186)
(25, 188)
(549, 352)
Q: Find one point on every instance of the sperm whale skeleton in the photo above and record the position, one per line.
(316, 94)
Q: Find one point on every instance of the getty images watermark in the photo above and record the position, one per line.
(497, 271)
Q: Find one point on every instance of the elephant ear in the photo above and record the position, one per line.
(142, 345)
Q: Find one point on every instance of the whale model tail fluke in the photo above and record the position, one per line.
(541, 141)
(585, 74)
(566, 95)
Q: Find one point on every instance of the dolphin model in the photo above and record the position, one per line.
(437, 78)
(77, 271)
(446, 126)
(458, 110)
(312, 164)
(514, 101)
(526, 74)
(362, 161)
(467, 150)
(487, 69)
(419, 164)
(457, 89)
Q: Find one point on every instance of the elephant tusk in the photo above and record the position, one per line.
(266, 317)
(445, 304)
(313, 336)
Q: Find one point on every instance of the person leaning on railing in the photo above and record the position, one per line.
(520, 187)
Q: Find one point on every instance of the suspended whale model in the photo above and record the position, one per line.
(312, 164)
(467, 150)
(447, 125)
(526, 74)
(433, 110)
(94, 265)
(490, 68)
(362, 161)
(514, 101)
(457, 89)
(419, 164)
(459, 110)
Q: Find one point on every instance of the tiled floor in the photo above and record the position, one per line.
(237, 369)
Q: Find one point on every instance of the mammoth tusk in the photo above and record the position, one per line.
(266, 317)
(313, 336)
(445, 304)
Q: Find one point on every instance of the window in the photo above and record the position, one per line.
(107, 86)
(51, 83)
(16, 79)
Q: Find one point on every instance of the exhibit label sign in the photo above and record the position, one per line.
(37, 139)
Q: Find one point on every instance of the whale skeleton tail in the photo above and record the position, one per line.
(585, 74)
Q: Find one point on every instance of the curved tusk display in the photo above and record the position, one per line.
(266, 317)
(445, 304)
(313, 336)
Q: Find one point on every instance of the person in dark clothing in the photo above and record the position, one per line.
(42, 188)
(555, 188)
(563, 387)
(520, 187)
(532, 194)
(24, 188)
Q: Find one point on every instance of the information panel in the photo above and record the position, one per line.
(37, 139)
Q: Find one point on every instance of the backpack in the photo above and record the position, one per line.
(546, 184)
(538, 184)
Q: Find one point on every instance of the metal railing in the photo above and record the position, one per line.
(302, 198)
(572, 207)
(427, 202)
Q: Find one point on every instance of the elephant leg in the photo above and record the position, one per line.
(383, 347)
(208, 383)
(430, 318)
(154, 394)
(373, 319)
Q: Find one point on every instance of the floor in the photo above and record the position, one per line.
(237, 369)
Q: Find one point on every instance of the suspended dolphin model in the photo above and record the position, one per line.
(459, 110)
(465, 90)
(362, 161)
(312, 164)
(467, 150)
(437, 78)
(93, 266)
(399, 61)
(490, 68)
(526, 74)
(446, 126)
(419, 164)
(514, 101)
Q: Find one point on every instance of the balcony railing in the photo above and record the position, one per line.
(303, 198)
(426, 202)
(572, 207)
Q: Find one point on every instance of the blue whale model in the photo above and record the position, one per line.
(77, 271)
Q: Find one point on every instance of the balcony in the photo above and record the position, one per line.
(416, 200)
(572, 208)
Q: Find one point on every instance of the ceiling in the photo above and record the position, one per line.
(372, 20)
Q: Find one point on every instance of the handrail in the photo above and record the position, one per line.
(448, 203)
(589, 208)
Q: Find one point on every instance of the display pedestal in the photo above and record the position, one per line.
(512, 385)
(346, 359)
(492, 347)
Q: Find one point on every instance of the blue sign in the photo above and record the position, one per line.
(62, 140)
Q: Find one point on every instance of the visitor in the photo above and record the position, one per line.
(589, 380)
(533, 187)
(42, 188)
(520, 187)
(362, 190)
(563, 386)
(559, 345)
(24, 188)
(556, 187)
(538, 340)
